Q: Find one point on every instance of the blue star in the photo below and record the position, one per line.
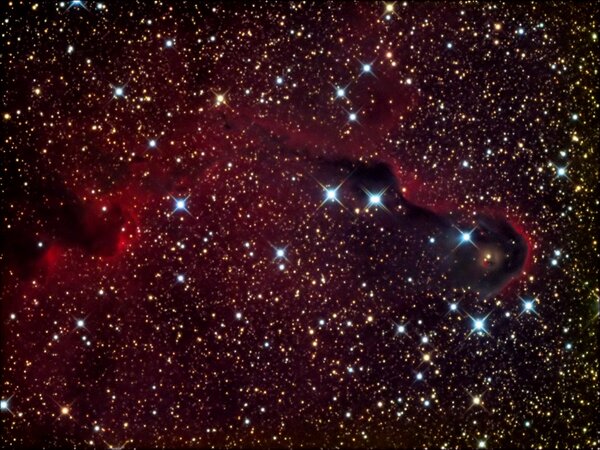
(366, 68)
(5, 405)
(465, 237)
(119, 91)
(375, 198)
(331, 195)
(280, 255)
(528, 305)
(479, 326)
(76, 3)
(181, 204)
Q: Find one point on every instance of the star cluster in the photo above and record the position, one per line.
(349, 224)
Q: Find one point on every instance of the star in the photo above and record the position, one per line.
(528, 306)
(465, 237)
(479, 325)
(561, 171)
(331, 195)
(119, 91)
(181, 204)
(76, 3)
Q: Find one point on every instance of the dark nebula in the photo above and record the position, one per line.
(482, 254)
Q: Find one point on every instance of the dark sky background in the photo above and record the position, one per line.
(299, 225)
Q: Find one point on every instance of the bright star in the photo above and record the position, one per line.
(181, 204)
(561, 171)
(331, 194)
(279, 80)
(340, 92)
(479, 326)
(280, 254)
(366, 67)
(76, 3)
(169, 43)
(375, 198)
(152, 143)
(5, 404)
(180, 278)
(528, 306)
(119, 91)
(465, 237)
(352, 117)
(80, 323)
(453, 306)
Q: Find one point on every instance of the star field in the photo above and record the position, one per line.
(339, 225)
